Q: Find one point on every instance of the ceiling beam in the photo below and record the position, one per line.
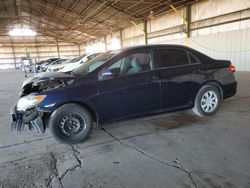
(5, 8)
(116, 14)
(119, 9)
(31, 10)
(61, 27)
(59, 9)
(53, 33)
(55, 7)
(18, 12)
(69, 10)
(141, 2)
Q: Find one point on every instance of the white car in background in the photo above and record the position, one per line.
(56, 62)
(75, 63)
(55, 68)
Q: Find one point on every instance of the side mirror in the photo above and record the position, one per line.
(106, 74)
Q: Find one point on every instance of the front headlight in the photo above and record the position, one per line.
(29, 101)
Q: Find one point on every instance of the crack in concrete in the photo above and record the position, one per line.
(55, 173)
(75, 154)
(79, 161)
(89, 146)
(153, 158)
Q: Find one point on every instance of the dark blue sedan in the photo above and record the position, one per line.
(118, 85)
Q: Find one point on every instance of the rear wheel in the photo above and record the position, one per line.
(207, 101)
(70, 124)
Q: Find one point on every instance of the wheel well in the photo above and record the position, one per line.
(90, 109)
(217, 85)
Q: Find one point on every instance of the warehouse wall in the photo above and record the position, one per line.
(133, 35)
(39, 48)
(220, 28)
(231, 45)
(228, 40)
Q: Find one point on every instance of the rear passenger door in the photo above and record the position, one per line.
(178, 82)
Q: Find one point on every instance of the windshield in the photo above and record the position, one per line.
(78, 58)
(67, 61)
(59, 61)
(94, 63)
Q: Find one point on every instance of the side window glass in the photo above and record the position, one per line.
(92, 56)
(172, 57)
(132, 64)
(95, 66)
(192, 59)
(116, 65)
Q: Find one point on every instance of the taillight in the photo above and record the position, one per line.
(232, 68)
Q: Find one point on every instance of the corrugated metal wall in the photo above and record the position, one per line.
(219, 28)
(39, 48)
(227, 41)
(233, 45)
(133, 36)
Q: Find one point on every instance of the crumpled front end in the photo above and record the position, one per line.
(33, 118)
(34, 106)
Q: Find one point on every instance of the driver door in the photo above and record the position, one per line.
(133, 90)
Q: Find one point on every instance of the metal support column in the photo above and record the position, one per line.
(188, 18)
(145, 32)
(58, 50)
(13, 52)
(186, 24)
(121, 39)
(105, 42)
(79, 49)
(37, 51)
(144, 29)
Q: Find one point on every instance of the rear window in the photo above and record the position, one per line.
(192, 59)
(172, 57)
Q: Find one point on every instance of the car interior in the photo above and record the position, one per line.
(132, 64)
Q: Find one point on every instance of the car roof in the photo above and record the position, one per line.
(154, 46)
(197, 53)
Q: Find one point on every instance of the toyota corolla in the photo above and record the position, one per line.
(117, 85)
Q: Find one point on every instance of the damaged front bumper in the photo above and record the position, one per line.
(33, 118)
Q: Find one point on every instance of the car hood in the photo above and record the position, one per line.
(47, 76)
(56, 66)
(73, 64)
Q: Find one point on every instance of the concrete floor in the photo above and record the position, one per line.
(170, 150)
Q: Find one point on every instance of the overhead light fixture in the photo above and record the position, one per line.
(22, 32)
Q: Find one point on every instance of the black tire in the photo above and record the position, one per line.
(69, 118)
(199, 103)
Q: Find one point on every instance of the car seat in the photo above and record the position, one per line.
(135, 66)
(126, 65)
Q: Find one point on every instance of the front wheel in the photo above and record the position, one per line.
(207, 101)
(70, 124)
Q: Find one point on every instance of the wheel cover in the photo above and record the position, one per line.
(72, 124)
(209, 101)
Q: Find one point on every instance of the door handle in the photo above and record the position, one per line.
(197, 72)
(153, 78)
